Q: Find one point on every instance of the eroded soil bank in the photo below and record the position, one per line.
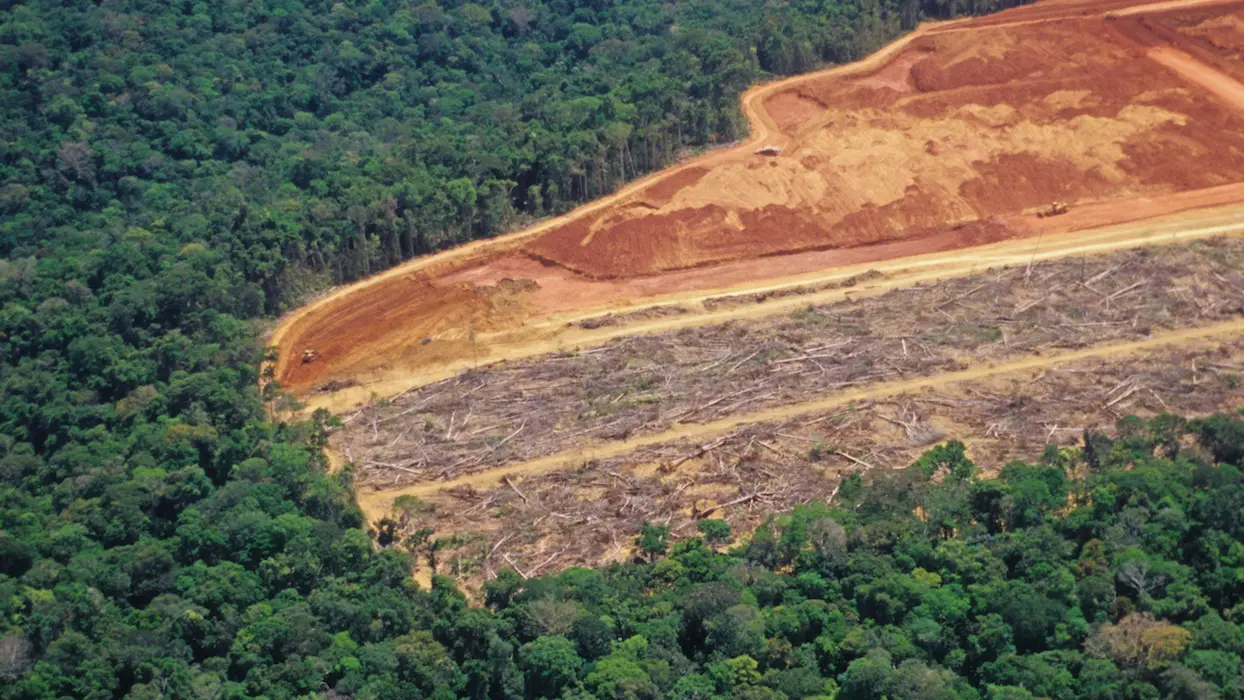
(952, 137)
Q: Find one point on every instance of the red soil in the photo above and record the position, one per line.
(562, 291)
(1024, 90)
(953, 141)
(1210, 35)
(661, 191)
(409, 309)
(792, 108)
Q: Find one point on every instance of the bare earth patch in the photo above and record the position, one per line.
(960, 127)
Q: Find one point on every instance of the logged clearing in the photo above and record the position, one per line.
(955, 136)
(559, 412)
(644, 385)
(589, 514)
(554, 461)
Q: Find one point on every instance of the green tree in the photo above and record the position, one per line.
(550, 665)
(653, 540)
(716, 532)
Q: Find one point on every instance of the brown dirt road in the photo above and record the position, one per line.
(1196, 72)
(1142, 151)
(1168, 6)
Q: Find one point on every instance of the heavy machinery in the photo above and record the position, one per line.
(309, 356)
(1054, 209)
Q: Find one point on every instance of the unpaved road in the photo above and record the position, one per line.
(1170, 5)
(1194, 71)
(376, 504)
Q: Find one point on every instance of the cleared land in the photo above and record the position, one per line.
(633, 411)
(1212, 35)
(960, 127)
(589, 514)
(533, 408)
(731, 337)
(839, 280)
(951, 137)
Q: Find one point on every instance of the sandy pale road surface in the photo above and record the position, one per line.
(949, 139)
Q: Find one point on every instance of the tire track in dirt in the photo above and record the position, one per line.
(376, 503)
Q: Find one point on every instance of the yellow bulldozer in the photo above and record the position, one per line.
(1054, 209)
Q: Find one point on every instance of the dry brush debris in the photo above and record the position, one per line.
(589, 515)
(533, 408)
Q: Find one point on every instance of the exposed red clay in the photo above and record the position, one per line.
(952, 137)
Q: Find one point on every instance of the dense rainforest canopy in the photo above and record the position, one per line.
(174, 172)
(1112, 570)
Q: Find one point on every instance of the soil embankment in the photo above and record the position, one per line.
(952, 137)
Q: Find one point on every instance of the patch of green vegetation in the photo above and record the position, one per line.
(808, 316)
(642, 384)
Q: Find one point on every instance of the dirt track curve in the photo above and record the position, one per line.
(1159, 138)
